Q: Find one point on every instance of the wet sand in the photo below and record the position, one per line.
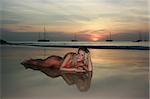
(117, 74)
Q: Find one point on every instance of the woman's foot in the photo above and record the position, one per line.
(31, 63)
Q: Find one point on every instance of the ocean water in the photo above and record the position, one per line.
(98, 43)
(117, 74)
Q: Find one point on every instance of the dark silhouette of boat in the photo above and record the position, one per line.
(109, 40)
(43, 40)
(75, 38)
(3, 42)
(140, 38)
(145, 38)
(138, 41)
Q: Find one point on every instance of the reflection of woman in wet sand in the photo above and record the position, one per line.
(72, 62)
(81, 80)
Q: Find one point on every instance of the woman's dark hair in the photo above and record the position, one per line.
(83, 49)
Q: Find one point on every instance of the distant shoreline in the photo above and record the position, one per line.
(88, 46)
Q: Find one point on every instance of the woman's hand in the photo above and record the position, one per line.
(90, 65)
(72, 70)
(79, 70)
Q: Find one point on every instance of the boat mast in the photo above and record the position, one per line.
(39, 36)
(110, 35)
(140, 36)
(44, 33)
(75, 37)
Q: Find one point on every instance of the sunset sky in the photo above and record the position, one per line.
(89, 19)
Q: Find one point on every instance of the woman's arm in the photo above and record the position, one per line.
(63, 68)
(90, 65)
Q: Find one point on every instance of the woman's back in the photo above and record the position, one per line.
(71, 60)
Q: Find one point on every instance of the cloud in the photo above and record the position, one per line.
(75, 15)
(34, 36)
(10, 21)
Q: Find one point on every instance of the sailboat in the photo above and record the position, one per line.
(75, 38)
(109, 40)
(140, 38)
(43, 40)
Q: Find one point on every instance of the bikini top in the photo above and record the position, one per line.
(72, 61)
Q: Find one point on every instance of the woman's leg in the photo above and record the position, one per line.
(52, 61)
(32, 63)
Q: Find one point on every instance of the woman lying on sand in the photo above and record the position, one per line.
(72, 62)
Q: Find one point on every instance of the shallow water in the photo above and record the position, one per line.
(85, 43)
(117, 74)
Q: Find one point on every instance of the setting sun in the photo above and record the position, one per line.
(96, 37)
